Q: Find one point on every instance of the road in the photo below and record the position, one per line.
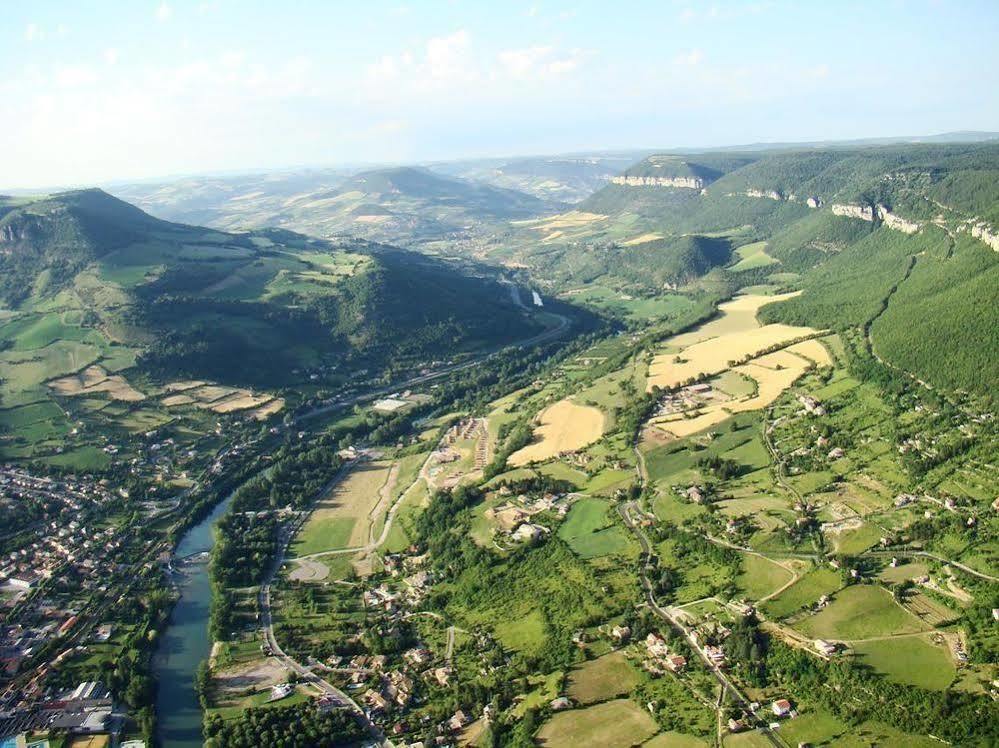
(542, 337)
(625, 510)
(267, 623)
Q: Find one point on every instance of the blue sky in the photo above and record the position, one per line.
(101, 91)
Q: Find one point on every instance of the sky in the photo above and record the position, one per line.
(96, 92)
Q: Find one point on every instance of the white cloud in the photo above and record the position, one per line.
(690, 58)
(33, 32)
(447, 56)
(542, 60)
(521, 62)
(74, 76)
(164, 12)
(111, 56)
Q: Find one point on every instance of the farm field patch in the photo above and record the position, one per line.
(860, 611)
(601, 679)
(612, 724)
(914, 660)
(564, 426)
(342, 518)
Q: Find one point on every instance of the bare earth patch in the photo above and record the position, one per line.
(95, 379)
(309, 570)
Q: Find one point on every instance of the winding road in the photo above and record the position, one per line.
(625, 510)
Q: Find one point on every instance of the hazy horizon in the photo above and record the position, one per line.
(153, 90)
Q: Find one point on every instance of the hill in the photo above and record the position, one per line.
(92, 286)
(899, 241)
(567, 178)
(405, 205)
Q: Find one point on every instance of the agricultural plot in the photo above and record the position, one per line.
(612, 724)
(753, 256)
(93, 380)
(343, 517)
(590, 532)
(914, 660)
(675, 740)
(861, 611)
(564, 427)
(220, 399)
(601, 679)
(752, 385)
(804, 593)
(761, 577)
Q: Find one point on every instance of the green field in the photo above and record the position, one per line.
(601, 679)
(753, 256)
(523, 634)
(912, 659)
(322, 535)
(590, 532)
(760, 576)
(860, 611)
(612, 724)
(675, 740)
(805, 592)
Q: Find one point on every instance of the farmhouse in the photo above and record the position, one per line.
(621, 633)
(529, 532)
(824, 647)
(675, 663)
(781, 707)
(458, 720)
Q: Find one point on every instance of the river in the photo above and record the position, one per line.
(184, 643)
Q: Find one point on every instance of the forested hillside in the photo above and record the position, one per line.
(88, 280)
(901, 241)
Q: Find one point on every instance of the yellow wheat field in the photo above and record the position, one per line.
(734, 336)
(564, 426)
(773, 373)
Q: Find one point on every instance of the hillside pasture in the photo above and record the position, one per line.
(761, 577)
(752, 256)
(805, 592)
(590, 532)
(601, 679)
(861, 611)
(913, 660)
(612, 724)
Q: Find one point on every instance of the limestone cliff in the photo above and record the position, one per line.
(690, 183)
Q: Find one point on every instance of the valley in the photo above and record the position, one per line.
(729, 480)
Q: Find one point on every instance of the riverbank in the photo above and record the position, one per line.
(184, 643)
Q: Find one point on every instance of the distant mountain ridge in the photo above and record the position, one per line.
(394, 204)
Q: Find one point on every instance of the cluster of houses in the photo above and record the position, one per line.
(85, 710)
(64, 545)
(688, 398)
(811, 406)
(779, 709)
(513, 517)
(660, 658)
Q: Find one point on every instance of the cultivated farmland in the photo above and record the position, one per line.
(564, 427)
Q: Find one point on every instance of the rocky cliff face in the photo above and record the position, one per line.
(984, 233)
(811, 202)
(689, 183)
(879, 214)
(898, 223)
(862, 212)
